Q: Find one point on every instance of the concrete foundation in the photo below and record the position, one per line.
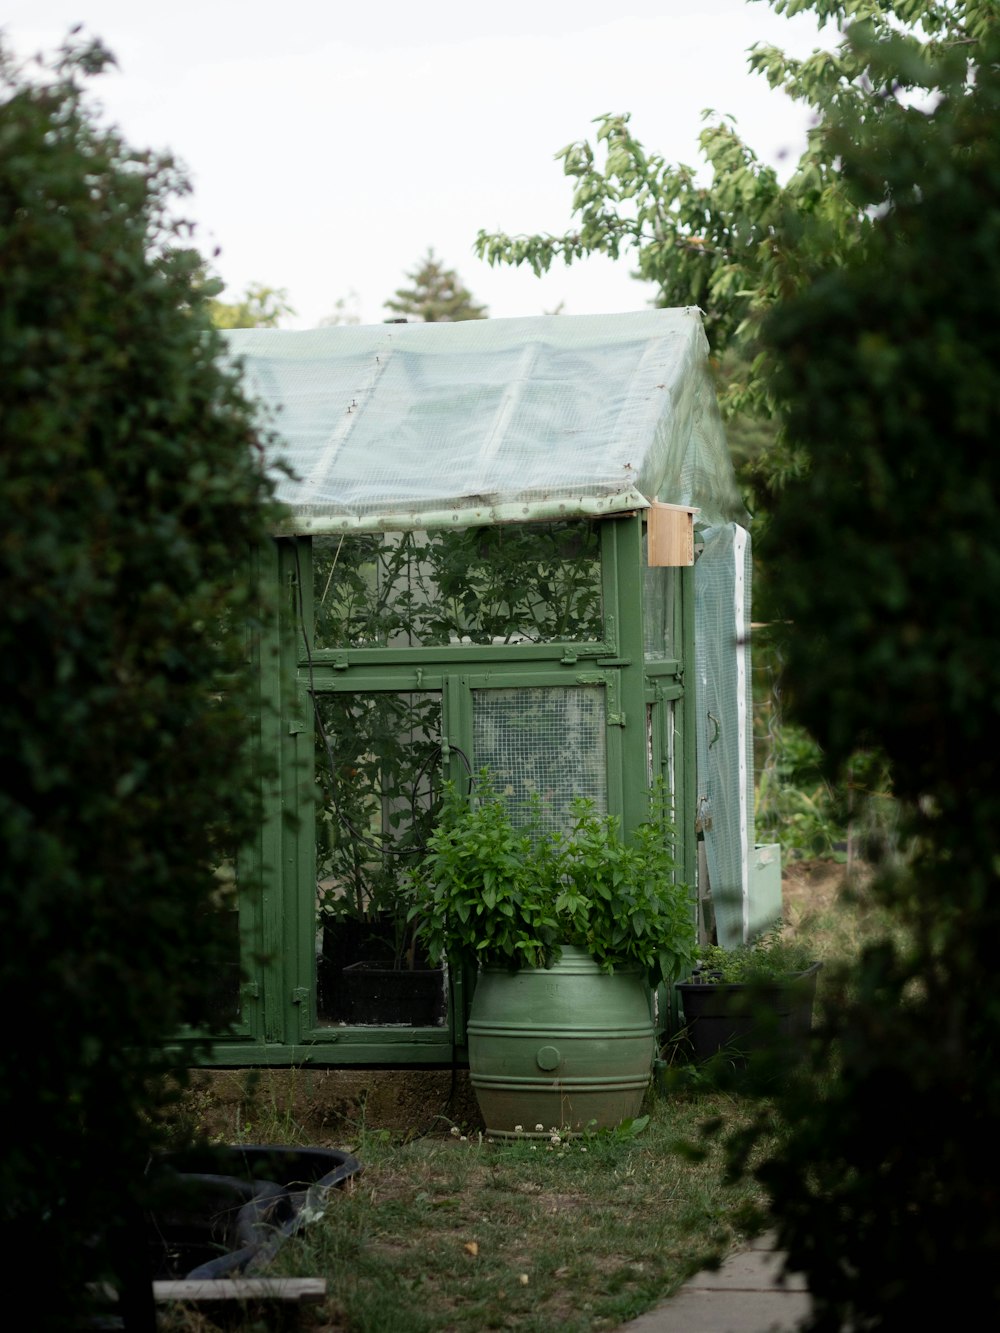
(326, 1107)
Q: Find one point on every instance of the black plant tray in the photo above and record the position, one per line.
(739, 1019)
(376, 994)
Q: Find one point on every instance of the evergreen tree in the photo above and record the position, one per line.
(436, 294)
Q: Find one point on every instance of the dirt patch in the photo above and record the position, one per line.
(833, 908)
(810, 889)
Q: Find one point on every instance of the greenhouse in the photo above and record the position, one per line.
(511, 544)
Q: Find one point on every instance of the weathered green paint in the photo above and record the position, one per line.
(687, 733)
(625, 536)
(565, 1046)
(279, 1024)
(274, 672)
(431, 1048)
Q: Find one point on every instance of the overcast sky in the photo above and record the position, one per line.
(331, 142)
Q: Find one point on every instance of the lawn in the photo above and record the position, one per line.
(451, 1231)
(446, 1230)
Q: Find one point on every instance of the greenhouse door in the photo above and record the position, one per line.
(377, 788)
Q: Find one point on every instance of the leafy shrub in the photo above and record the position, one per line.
(796, 805)
(130, 497)
(772, 956)
(490, 892)
(888, 583)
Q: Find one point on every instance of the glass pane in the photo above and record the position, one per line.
(219, 952)
(365, 588)
(663, 716)
(545, 741)
(658, 630)
(377, 768)
(519, 583)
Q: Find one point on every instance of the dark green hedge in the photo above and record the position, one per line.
(886, 568)
(130, 495)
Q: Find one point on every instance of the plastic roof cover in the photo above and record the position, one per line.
(397, 426)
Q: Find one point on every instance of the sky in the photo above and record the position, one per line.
(330, 143)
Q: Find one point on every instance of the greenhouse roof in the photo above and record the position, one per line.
(398, 426)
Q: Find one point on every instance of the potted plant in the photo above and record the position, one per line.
(567, 931)
(754, 998)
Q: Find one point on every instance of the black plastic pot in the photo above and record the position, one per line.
(360, 979)
(380, 995)
(345, 940)
(739, 1019)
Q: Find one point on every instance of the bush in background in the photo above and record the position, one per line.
(884, 1186)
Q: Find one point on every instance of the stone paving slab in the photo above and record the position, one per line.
(753, 1270)
(695, 1310)
(744, 1295)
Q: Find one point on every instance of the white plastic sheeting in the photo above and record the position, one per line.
(400, 426)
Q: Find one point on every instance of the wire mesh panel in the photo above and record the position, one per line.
(725, 733)
(520, 583)
(505, 419)
(543, 741)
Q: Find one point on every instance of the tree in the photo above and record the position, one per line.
(259, 307)
(739, 241)
(437, 294)
(742, 240)
(131, 491)
(888, 580)
(345, 311)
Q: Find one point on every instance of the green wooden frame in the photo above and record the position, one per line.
(650, 732)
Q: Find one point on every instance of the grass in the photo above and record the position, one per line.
(449, 1232)
(456, 1232)
(835, 911)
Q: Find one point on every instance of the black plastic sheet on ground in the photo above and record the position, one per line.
(223, 1211)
